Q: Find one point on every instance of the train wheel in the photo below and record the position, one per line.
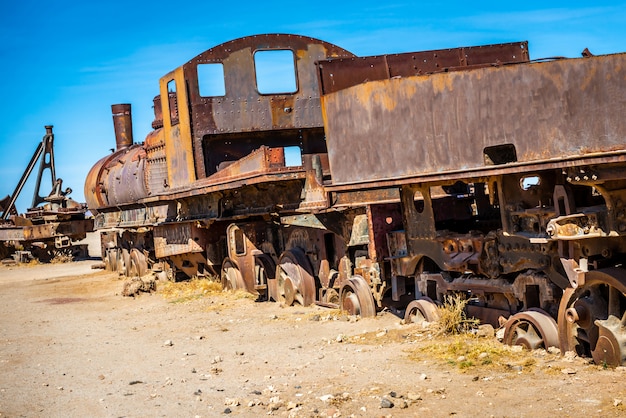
(531, 329)
(138, 263)
(295, 278)
(111, 259)
(591, 317)
(356, 298)
(420, 310)
(264, 267)
(231, 276)
(123, 263)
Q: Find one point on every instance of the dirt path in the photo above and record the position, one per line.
(70, 345)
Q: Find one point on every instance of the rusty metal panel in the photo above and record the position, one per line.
(156, 163)
(242, 108)
(178, 238)
(340, 73)
(178, 141)
(74, 229)
(466, 121)
(136, 216)
(262, 161)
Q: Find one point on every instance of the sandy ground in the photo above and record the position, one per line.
(72, 346)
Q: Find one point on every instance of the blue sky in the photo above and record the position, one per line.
(65, 63)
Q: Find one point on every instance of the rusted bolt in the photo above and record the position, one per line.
(572, 315)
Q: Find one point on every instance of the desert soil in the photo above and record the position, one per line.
(72, 346)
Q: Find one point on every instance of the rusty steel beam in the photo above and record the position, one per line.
(340, 73)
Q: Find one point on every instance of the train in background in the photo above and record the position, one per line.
(471, 171)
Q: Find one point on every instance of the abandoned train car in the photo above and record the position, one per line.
(387, 181)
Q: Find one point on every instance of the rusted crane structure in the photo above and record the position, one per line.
(469, 170)
(54, 222)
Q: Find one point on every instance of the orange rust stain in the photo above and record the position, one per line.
(375, 94)
(441, 82)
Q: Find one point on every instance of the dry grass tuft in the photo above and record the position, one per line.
(468, 352)
(180, 292)
(452, 318)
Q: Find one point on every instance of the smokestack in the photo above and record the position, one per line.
(123, 125)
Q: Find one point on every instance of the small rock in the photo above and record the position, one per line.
(414, 396)
(292, 405)
(332, 413)
(386, 403)
(423, 376)
(227, 411)
(314, 318)
(216, 359)
(461, 359)
(568, 371)
(500, 334)
(326, 398)
(554, 350)
(485, 331)
(617, 402)
(232, 402)
(339, 338)
(483, 356)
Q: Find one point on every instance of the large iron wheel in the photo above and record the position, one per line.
(531, 329)
(123, 262)
(138, 263)
(356, 298)
(264, 267)
(420, 310)
(112, 259)
(231, 276)
(295, 278)
(591, 317)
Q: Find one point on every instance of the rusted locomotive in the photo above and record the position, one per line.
(468, 170)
